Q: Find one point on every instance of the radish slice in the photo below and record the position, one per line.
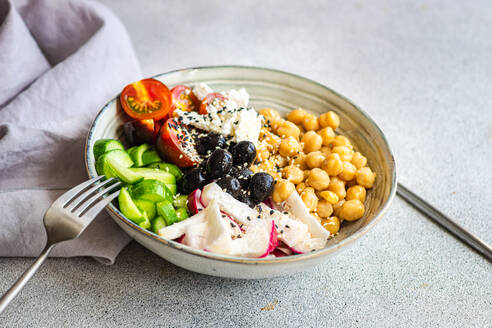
(237, 228)
(293, 233)
(194, 203)
(296, 206)
(239, 211)
(176, 230)
(195, 235)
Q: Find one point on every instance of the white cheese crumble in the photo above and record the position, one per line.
(201, 90)
(232, 118)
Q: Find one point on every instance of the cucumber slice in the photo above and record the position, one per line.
(168, 167)
(115, 163)
(151, 190)
(129, 208)
(137, 154)
(172, 188)
(146, 223)
(154, 174)
(181, 201)
(146, 206)
(166, 210)
(182, 213)
(131, 150)
(150, 156)
(102, 146)
(158, 224)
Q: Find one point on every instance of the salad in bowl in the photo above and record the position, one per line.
(204, 168)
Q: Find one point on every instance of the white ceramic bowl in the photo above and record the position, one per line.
(282, 91)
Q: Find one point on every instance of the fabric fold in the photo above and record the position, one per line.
(60, 61)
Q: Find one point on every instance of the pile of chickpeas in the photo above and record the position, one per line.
(304, 154)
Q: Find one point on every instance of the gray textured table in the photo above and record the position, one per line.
(422, 70)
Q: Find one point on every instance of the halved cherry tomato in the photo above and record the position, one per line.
(172, 144)
(146, 99)
(183, 99)
(210, 98)
(142, 131)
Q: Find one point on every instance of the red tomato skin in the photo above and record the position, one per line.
(169, 147)
(189, 104)
(208, 99)
(155, 90)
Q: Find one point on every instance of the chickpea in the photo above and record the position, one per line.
(342, 141)
(314, 159)
(288, 129)
(289, 147)
(318, 179)
(330, 196)
(293, 174)
(345, 152)
(359, 160)
(300, 161)
(365, 177)
(262, 153)
(279, 160)
(324, 209)
(300, 187)
(325, 150)
(329, 119)
(312, 141)
(338, 187)
(331, 224)
(333, 165)
(348, 172)
(272, 140)
(269, 113)
(338, 207)
(275, 123)
(282, 190)
(327, 135)
(352, 210)
(297, 116)
(309, 198)
(310, 122)
(307, 173)
(356, 192)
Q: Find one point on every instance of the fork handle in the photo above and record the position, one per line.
(22, 281)
(446, 222)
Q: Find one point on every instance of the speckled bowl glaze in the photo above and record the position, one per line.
(284, 92)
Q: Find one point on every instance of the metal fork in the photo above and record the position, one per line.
(66, 219)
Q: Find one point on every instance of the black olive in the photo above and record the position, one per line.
(219, 163)
(261, 186)
(246, 199)
(209, 143)
(243, 174)
(230, 184)
(190, 181)
(244, 152)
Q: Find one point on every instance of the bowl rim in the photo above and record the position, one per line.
(242, 260)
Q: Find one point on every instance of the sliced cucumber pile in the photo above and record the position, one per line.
(148, 197)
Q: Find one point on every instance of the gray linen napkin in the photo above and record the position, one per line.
(60, 61)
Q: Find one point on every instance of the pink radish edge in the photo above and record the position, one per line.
(194, 201)
(273, 241)
(233, 221)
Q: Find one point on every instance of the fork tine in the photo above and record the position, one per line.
(86, 194)
(91, 200)
(70, 194)
(90, 214)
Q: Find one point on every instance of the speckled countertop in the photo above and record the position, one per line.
(421, 69)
